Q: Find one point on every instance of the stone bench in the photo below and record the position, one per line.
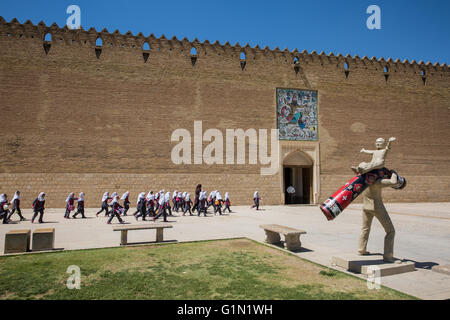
(43, 239)
(17, 241)
(291, 235)
(125, 228)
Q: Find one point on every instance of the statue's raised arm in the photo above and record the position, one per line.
(388, 145)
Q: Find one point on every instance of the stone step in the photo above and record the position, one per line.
(445, 269)
(366, 265)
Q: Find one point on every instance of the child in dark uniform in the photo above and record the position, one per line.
(187, 204)
(126, 202)
(218, 202)
(4, 207)
(202, 203)
(198, 189)
(256, 199)
(150, 204)
(141, 205)
(38, 207)
(80, 207)
(16, 206)
(115, 210)
(69, 206)
(105, 199)
(162, 207)
(227, 202)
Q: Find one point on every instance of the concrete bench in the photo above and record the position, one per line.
(125, 228)
(17, 241)
(291, 235)
(43, 239)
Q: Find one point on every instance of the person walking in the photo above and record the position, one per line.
(16, 206)
(39, 207)
(80, 206)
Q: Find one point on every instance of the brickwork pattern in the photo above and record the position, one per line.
(74, 121)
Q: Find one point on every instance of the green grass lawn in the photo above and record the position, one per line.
(228, 269)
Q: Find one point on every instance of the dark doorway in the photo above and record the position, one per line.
(300, 178)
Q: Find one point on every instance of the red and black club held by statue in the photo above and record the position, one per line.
(340, 200)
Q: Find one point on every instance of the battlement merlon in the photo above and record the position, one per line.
(15, 29)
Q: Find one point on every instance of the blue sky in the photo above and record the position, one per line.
(413, 30)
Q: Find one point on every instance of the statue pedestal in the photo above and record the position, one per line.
(445, 269)
(366, 265)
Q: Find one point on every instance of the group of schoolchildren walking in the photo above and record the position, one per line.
(151, 205)
(5, 213)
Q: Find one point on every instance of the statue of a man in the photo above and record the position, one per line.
(378, 157)
(373, 207)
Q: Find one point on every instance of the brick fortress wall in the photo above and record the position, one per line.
(93, 118)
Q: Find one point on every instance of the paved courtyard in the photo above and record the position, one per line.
(422, 236)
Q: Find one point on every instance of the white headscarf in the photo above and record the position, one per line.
(227, 196)
(81, 197)
(175, 193)
(184, 195)
(105, 196)
(180, 195)
(125, 195)
(167, 196)
(114, 200)
(41, 196)
(255, 195)
(70, 196)
(2, 198)
(187, 197)
(150, 196)
(140, 197)
(218, 196)
(16, 196)
(114, 194)
(161, 201)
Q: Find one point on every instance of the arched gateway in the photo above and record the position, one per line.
(298, 172)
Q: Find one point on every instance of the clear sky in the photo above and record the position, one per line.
(410, 29)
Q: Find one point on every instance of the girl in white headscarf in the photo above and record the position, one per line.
(167, 202)
(151, 204)
(115, 210)
(202, 203)
(187, 204)
(39, 207)
(4, 207)
(141, 206)
(180, 202)
(126, 202)
(174, 201)
(80, 206)
(16, 206)
(218, 202)
(163, 206)
(256, 199)
(227, 202)
(105, 207)
(139, 198)
(69, 205)
(210, 201)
